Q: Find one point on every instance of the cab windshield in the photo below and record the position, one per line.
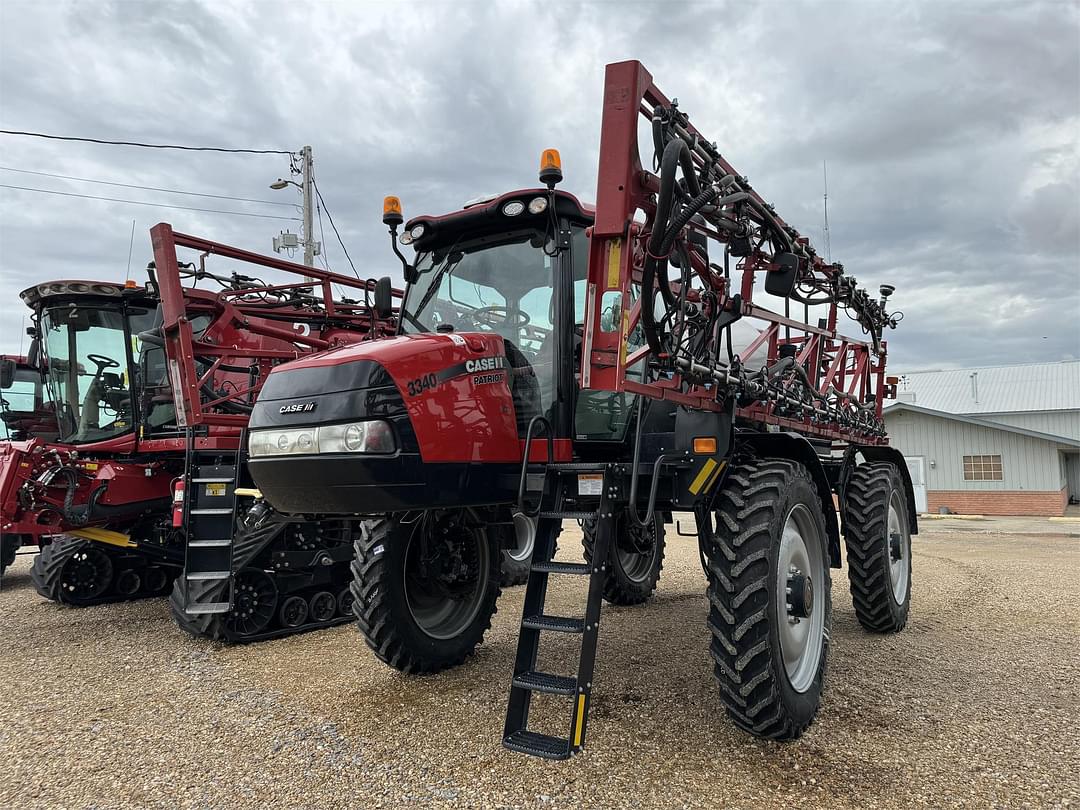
(502, 285)
(87, 371)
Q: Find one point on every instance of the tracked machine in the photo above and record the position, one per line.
(25, 411)
(675, 348)
(114, 483)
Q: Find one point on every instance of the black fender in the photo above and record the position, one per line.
(794, 447)
(890, 455)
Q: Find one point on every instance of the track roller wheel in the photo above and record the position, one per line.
(634, 561)
(294, 611)
(345, 602)
(127, 582)
(878, 541)
(322, 607)
(425, 587)
(769, 594)
(156, 579)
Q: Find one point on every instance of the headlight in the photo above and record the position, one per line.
(282, 442)
(417, 231)
(513, 208)
(405, 238)
(374, 436)
(537, 205)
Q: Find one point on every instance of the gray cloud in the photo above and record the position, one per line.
(950, 129)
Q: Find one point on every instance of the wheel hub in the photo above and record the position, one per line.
(896, 546)
(800, 596)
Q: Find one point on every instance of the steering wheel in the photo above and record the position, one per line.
(504, 315)
(102, 362)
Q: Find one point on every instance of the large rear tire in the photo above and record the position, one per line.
(878, 540)
(635, 559)
(770, 606)
(424, 590)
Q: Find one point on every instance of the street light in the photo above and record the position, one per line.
(279, 184)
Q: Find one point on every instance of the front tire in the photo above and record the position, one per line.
(424, 590)
(635, 559)
(769, 594)
(878, 540)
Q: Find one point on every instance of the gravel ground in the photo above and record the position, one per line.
(974, 704)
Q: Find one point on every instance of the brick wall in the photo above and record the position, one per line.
(1047, 504)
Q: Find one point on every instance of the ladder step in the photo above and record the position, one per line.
(204, 576)
(209, 543)
(569, 515)
(211, 512)
(553, 567)
(556, 624)
(577, 466)
(209, 607)
(546, 682)
(538, 745)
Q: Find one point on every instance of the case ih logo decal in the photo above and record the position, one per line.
(481, 368)
(299, 407)
(485, 364)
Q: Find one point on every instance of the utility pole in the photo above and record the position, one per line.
(287, 241)
(309, 228)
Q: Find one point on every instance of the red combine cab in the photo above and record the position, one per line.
(677, 348)
(25, 411)
(111, 478)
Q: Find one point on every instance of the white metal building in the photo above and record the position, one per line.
(998, 440)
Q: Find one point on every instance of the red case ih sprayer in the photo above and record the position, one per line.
(116, 476)
(610, 365)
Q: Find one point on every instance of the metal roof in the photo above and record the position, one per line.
(974, 420)
(994, 389)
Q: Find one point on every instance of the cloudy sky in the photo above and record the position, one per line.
(951, 131)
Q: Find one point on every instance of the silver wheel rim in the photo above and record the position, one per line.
(444, 617)
(525, 534)
(801, 639)
(898, 545)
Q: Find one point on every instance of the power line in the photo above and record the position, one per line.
(147, 145)
(145, 188)
(330, 217)
(150, 204)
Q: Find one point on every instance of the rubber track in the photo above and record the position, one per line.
(866, 505)
(9, 547)
(371, 595)
(614, 593)
(214, 625)
(746, 510)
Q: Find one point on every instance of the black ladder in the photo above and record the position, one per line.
(210, 519)
(534, 621)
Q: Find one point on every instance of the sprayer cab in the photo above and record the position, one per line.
(485, 344)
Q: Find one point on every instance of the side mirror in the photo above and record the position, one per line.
(384, 297)
(7, 372)
(780, 281)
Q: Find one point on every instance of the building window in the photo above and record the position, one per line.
(982, 468)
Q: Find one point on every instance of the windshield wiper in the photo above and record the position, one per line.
(448, 264)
